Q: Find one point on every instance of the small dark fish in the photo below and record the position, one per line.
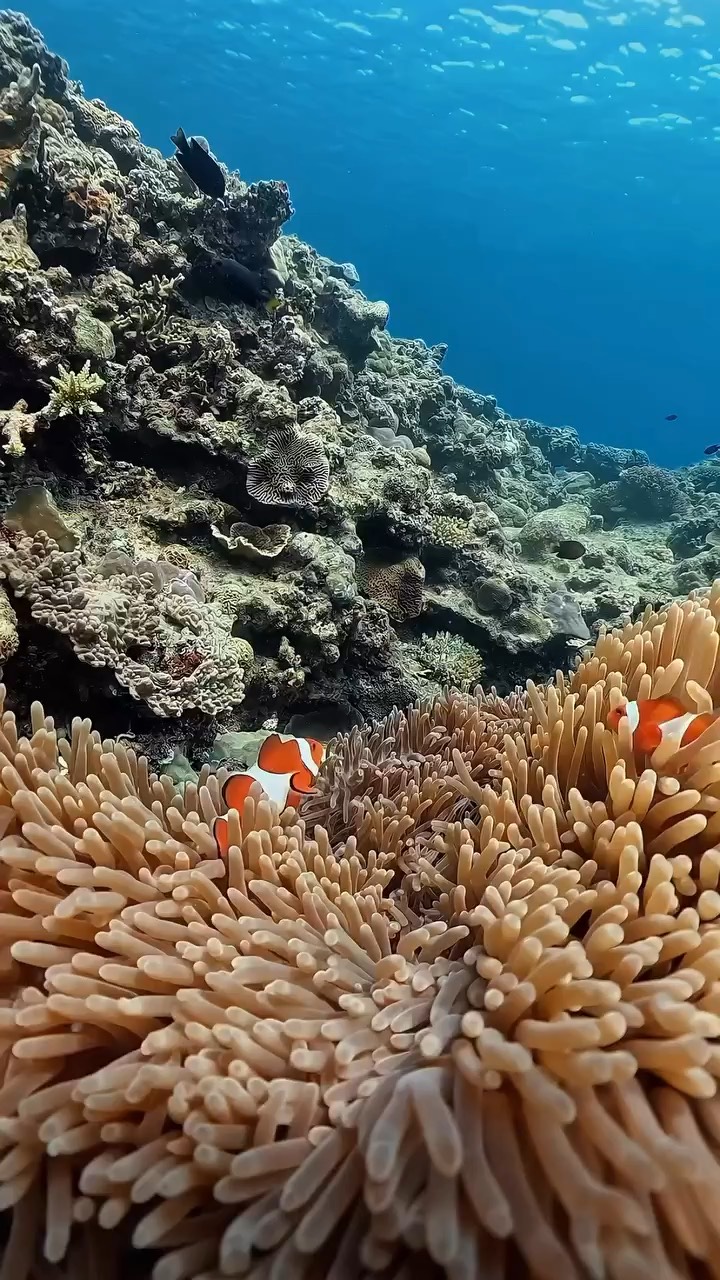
(711, 449)
(671, 417)
(231, 281)
(638, 610)
(570, 549)
(194, 156)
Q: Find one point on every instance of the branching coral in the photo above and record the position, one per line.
(449, 531)
(15, 424)
(450, 659)
(278, 1065)
(73, 392)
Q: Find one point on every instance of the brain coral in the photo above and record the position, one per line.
(308, 1062)
(292, 471)
(397, 587)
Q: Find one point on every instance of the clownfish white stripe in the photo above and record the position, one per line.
(661, 720)
(286, 770)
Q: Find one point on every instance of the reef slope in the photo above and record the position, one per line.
(219, 513)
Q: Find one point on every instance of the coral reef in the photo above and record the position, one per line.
(461, 1007)
(146, 621)
(458, 1014)
(644, 492)
(338, 496)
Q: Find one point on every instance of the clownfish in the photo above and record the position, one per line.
(286, 770)
(657, 720)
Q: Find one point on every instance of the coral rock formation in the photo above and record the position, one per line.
(157, 410)
(146, 622)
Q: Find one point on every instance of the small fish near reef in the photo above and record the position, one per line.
(657, 720)
(711, 450)
(286, 770)
(570, 549)
(671, 417)
(231, 281)
(193, 155)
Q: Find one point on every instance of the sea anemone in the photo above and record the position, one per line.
(309, 1062)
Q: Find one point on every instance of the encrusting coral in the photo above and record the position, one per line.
(496, 1057)
(145, 620)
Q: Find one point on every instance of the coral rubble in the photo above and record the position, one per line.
(359, 522)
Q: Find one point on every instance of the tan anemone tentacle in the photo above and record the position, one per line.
(458, 1017)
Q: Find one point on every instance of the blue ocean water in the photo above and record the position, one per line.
(538, 187)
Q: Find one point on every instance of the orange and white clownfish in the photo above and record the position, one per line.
(656, 720)
(286, 770)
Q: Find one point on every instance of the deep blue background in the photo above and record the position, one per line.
(572, 261)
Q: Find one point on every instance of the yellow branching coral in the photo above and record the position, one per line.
(451, 531)
(73, 392)
(310, 1062)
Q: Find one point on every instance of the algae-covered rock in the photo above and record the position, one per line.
(179, 769)
(15, 251)
(543, 532)
(34, 510)
(239, 748)
(93, 337)
(492, 595)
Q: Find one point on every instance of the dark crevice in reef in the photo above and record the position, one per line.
(13, 389)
